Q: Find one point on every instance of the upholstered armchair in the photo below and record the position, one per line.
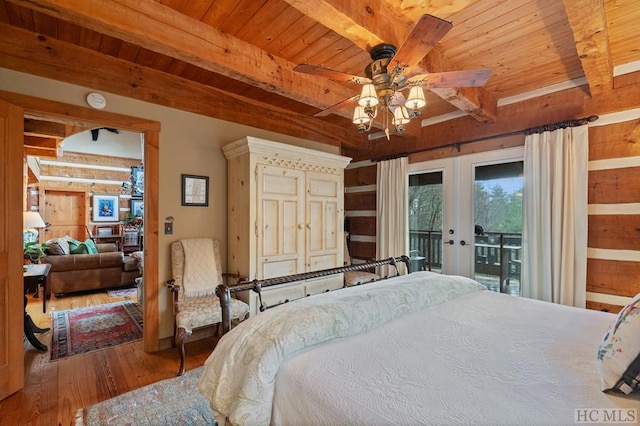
(196, 271)
(352, 278)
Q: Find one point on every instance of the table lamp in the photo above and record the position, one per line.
(30, 222)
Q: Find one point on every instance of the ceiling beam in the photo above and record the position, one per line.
(39, 142)
(161, 29)
(27, 52)
(44, 128)
(411, 10)
(589, 25)
(366, 27)
(41, 147)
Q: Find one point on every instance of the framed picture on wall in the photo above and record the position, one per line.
(137, 181)
(106, 208)
(195, 190)
(137, 207)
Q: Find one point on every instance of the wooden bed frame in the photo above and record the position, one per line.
(224, 292)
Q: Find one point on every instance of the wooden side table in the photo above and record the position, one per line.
(34, 276)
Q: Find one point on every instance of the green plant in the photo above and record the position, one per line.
(34, 251)
(132, 220)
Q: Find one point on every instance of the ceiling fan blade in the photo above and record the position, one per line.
(334, 75)
(340, 105)
(427, 32)
(467, 78)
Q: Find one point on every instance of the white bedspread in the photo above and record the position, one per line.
(434, 350)
(483, 359)
(239, 376)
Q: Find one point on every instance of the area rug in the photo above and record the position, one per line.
(173, 401)
(123, 292)
(83, 330)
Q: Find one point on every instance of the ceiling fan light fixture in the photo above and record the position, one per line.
(368, 97)
(360, 116)
(416, 99)
(400, 116)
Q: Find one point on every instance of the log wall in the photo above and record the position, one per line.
(85, 173)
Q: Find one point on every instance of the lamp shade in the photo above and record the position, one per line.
(368, 97)
(416, 98)
(359, 116)
(400, 116)
(32, 220)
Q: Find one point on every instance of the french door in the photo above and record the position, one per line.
(465, 217)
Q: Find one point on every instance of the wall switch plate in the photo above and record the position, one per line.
(168, 228)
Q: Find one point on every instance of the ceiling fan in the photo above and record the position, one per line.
(95, 132)
(392, 72)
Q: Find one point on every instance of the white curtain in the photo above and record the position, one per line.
(392, 199)
(554, 229)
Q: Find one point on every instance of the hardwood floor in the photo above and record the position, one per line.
(55, 390)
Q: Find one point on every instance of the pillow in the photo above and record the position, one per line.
(619, 352)
(58, 246)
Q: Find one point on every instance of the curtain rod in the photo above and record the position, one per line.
(531, 130)
(560, 125)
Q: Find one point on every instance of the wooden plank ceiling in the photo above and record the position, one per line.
(235, 59)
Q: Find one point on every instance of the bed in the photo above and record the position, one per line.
(421, 348)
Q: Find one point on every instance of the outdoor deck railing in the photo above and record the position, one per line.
(496, 253)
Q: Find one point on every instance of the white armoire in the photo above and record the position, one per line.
(285, 216)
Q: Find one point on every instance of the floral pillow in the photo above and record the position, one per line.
(619, 352)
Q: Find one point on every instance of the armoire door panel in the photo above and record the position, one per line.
(276, 268)
(280, 220)
(323, 261)
(323, 186)
(324, 216)
(291, 230)
(270, 232)
(333, 226)
(316, 225)
(282, 182)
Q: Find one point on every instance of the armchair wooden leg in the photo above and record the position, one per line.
(181, 339)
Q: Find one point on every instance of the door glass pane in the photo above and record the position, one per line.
(425, 221)
(498, 226)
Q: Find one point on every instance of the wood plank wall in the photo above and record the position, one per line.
(87, 173)
(613, 258)
(360, 209)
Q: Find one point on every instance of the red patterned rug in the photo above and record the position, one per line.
(83, 330)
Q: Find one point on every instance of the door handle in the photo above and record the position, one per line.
(463, 243)
(450, 242)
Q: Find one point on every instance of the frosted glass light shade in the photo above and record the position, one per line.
(400, 116)
(359, 116)
(368, 97)
(416, 98)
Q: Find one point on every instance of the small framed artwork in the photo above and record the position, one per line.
(137, 207)
(137, 181)
(106, 208)
(104, 231)
(195, 190)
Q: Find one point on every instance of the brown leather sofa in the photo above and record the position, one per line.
(108, 268)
